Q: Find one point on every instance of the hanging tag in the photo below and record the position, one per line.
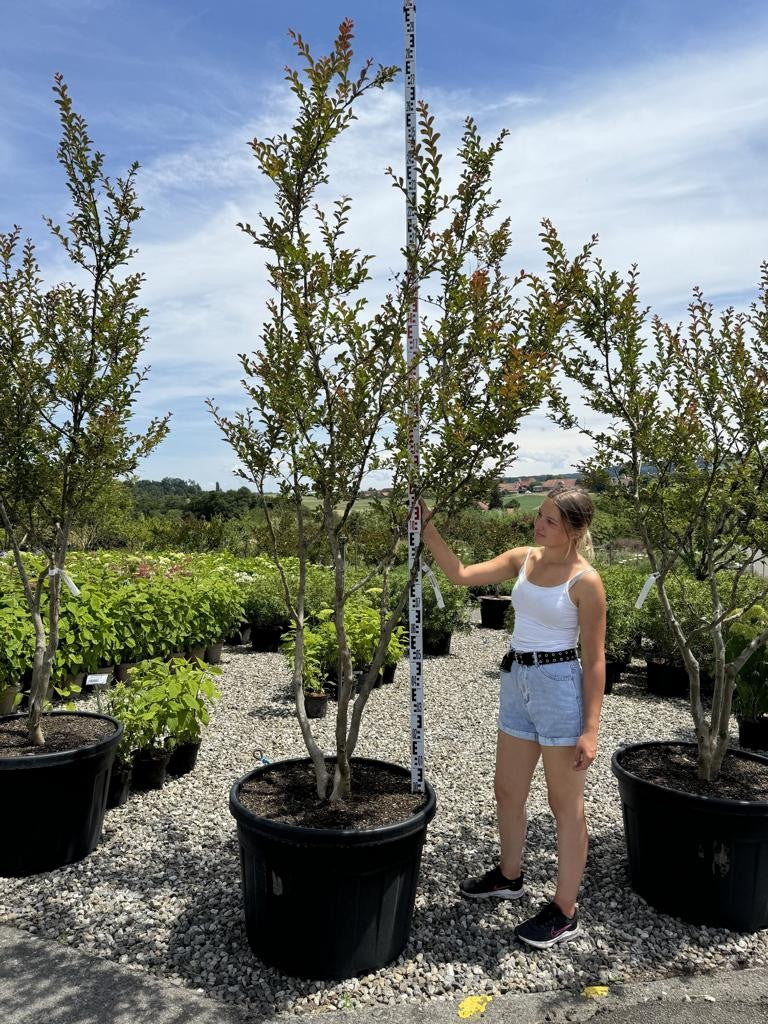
(646, 590)
(69, 583)
(435, 585)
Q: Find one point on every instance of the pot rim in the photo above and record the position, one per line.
(8, 763)
(694, 799)
(289, 833)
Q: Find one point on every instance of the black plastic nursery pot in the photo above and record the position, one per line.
(315, 704)
(52, 805)
(702, 859)
(493, 610)
(437, 644)
(266, 638)
(150, 768)
(665, 679)
(613, 671)
(119, 785)
(213, 653)
(183, 758)
(328, 904)
(753, 733)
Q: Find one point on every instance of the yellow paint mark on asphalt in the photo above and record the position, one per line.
(473, 1006)
(595, 991)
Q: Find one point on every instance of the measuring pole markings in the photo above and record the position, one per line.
(415, 606)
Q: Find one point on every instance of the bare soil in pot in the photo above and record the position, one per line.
(62, 732)
(676, 768)
(288, 794)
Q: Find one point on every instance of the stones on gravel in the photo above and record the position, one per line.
(161, 894)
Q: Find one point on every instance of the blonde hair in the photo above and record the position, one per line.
(577, 511)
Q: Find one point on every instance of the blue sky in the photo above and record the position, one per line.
(645, 121)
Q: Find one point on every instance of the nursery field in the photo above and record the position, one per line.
(161, 894)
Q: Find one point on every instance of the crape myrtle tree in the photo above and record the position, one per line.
(686, 452)
(69, 378)
(329, 388)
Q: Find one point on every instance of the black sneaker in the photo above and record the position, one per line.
(549, 926)
(492, 883)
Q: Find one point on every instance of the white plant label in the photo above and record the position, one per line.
(98, 679)
(646, 590)
(69, 583)
(415, 635)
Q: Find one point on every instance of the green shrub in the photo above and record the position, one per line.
(691, 601)
(622, 585)
(165, 703)
(437, 622)
(751, 698)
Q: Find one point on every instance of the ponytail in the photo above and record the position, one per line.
(584, 546)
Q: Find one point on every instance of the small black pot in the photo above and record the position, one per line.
(266, 638)
(388, 674)
(183, 758)
(753, 733)
(241, 635)
(149, 769)
(213, 653)
(437, 644)
(119, 785)
(700, 858)
(121, 671)
(493, 610)
(613, 670)
(665, 679)
(315, 704)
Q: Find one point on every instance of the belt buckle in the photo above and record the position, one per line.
(536, 661)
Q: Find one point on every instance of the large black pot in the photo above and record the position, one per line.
(328, 903)
(696, 857)
(493, 611)
(52, 805)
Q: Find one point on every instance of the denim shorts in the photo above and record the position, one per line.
(542, 703)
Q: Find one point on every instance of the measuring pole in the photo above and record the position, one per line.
(415, 646)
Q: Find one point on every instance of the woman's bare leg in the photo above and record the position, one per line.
(515, 763)
(565, 789)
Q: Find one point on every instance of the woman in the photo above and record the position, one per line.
(550, 703)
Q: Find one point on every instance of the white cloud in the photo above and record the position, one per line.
(665, 161)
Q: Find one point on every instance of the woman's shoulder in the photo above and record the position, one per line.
(517, 556)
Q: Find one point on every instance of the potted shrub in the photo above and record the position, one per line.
(329, 392)
(265, 612)
(192, 692)
(751, 697)
(149, 683)
(319, 660)
(666, 671)
(622, 585)
(122, 704)
(685, 456)
(68, 381)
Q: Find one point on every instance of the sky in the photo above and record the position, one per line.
(645, 121)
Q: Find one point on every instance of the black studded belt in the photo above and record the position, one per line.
(537, 657)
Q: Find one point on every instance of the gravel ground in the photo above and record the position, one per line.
(162, 892)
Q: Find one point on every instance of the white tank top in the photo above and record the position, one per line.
(546, 619)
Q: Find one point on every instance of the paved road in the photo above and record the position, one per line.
(42, 982)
